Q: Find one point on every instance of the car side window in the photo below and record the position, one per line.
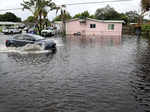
(29, 38)
(19, 37)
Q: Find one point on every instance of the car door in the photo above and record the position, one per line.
(29, 39)
(19, 41)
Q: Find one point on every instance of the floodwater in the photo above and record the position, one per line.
(95, 74)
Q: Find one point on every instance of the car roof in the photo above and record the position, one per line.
(37, 37)
(33, 35)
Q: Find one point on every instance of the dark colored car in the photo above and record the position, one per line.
(23, 39)
(78, 33)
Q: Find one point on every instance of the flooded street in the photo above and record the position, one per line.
(84, 75)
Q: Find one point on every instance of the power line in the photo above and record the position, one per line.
(84, 3)
(81, 3)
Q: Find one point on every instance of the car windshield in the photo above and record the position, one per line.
(49, 28)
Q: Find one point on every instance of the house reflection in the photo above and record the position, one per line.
(140, 79)
(96, 40)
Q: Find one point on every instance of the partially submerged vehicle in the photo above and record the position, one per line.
(24, 39)
(50, 31)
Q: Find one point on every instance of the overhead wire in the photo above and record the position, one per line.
(84, 3)
(80, 3)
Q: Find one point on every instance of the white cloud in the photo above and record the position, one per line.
(119, 6)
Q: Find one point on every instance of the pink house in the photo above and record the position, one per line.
(94, 27)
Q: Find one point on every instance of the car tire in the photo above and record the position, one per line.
(53, 47)
(50, 34)
(8, 44)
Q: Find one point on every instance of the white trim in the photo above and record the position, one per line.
(9, 23)
(101, 21)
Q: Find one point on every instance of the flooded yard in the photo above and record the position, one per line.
(95, 74)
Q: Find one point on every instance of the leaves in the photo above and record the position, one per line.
(107, 13)
(10, 17)
(83, 15)
(59, 17)
(39, 9)
(63, 13)
(145, 4)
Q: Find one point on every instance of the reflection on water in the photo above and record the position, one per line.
(102, 41)
(140, 79)
(86, 74)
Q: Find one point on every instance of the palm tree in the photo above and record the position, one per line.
(64, 15)
(29, 5)
(145, 5)
(39, 9)
(44, 13)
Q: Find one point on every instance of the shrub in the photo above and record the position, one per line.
(0, 29)
(146, 27)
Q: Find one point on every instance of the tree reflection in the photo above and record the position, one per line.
(140, 80)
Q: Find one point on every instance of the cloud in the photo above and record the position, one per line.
(119, 6)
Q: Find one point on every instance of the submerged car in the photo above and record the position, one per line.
(24, 39)
(48, 32)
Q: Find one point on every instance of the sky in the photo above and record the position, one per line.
(133, 5)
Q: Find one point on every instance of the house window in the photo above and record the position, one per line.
(92, 25)
(111, 26)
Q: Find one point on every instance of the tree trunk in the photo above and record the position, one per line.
(45, 22)
(64, 27)
(40, 23)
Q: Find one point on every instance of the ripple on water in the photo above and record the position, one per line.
(84, 75)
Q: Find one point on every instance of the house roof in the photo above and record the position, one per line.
(101, 21)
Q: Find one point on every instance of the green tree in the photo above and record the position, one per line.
(107, 13)
(30, 19)
(39, 9)
(11, 17)
(92, 16)
(59, 18)
(84, 15)
(63, 15)
(77, 16)
(145, 4)
(133, 16)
